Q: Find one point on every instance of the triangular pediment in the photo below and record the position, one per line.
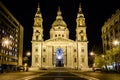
(59, 39)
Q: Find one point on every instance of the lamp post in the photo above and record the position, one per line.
(28, 54)
(92, 54)
(104, 62)
(26, 61)
(6, 42)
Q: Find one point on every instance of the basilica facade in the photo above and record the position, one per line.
(59, 50)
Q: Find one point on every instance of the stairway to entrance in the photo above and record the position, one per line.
(59, 69)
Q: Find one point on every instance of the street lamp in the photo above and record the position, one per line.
(28, 54)
(103, 56)
(26, 61)
(116, 42)
(6, 42)
(92, 54)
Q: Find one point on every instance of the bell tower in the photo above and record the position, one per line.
(37, 38)
(38, 27)
(81, 39)
(81, 26)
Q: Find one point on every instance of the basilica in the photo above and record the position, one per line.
(59, 50)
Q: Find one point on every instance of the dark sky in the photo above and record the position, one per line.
(96, 12)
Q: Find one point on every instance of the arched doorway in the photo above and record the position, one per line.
(59, 57)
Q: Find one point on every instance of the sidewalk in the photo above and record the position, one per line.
(15, 75)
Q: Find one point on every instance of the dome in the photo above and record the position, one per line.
(59, 22)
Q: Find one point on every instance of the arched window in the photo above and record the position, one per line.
(36, 50)
(59, 35)
(37, 32)
(36, 37)
(55, 35)
(82, 60)
(43, 59)
(82, 50)
(36, 59)
(82, 38)
(75, 59)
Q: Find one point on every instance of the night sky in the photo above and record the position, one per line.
(96, 12)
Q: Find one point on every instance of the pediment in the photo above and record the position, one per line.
(59, 39)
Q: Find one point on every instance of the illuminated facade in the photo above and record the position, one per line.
(59, 50)
(111, 31)
(12, 31)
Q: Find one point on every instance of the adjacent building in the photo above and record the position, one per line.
(111, 31)
(59, 50)
(11, 40)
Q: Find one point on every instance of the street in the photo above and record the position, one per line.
(59, 75)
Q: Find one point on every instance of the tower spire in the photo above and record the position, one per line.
(59, 13)
(80, 8)
(80, 13)
(38, 7)
(38, 14)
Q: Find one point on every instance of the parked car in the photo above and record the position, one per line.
(23, 68)
(20, 68)
(97, 69)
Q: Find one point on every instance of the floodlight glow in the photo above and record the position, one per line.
(6, 42)
(59, 57)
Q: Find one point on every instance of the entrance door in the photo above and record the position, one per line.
(59, 58)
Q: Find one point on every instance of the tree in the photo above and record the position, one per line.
(99, 61)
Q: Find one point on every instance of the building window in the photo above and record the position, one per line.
(81, 31)
(43, 59)
(74, 50)
(82, 60)
(56, 35)
(44, 50)
(82, 37)
(75, 59)
(59, 35)
(36, 50)
(36, 59)
(37, 37)
(111, 34)
(82, 50)
(0, 57)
